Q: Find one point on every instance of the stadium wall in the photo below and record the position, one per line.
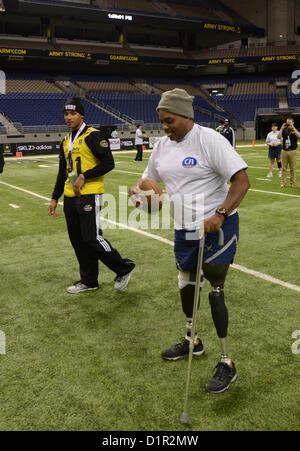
(48, 143)
(255, 11)
(278, 17)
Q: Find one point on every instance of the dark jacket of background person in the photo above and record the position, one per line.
(1, 161)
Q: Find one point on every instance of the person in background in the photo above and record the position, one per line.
(275, 148)
(139, 136)
(2, 162)
(289, 134)
(220, 127)
(228, 132)
(114, 134)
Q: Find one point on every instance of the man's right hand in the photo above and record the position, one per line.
(52, 208)
(135, 194)
(134, 190)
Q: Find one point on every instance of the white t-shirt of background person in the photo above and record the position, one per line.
(272, 138)
(199, 165)
(138, 138)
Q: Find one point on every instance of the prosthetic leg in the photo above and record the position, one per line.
(216, 274)
(186, 285)
(226, 373)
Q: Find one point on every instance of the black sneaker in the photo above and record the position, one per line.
(223, 377)
(180, 350)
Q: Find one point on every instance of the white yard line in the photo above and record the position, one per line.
(32, 157)
(264, 180)
(265, 168)
(254, 190)
(243, 269)
(37, 157)
(250, 145)
(263, 276)
(129, 172)
(245, 156)
(273, 192)
(124, 152)
(14, 206)
(25, 191)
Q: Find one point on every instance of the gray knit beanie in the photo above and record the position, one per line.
(177, 101)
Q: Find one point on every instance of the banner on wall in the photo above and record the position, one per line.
(40, 148)
(115, 144)
(45, 148)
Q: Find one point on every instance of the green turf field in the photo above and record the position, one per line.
(92, 361)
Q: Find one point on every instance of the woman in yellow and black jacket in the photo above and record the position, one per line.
(84, 158)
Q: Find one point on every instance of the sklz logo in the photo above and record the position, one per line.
(189, 162)
(26, 147)
(296, 84)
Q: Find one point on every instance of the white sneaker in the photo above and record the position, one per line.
(280, 174)
(270, 175)
(79, 287)
(121, 282)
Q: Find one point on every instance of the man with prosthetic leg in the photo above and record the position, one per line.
(193, 160)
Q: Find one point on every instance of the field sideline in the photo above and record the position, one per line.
(92, 361)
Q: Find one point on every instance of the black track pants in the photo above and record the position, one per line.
(83, 223)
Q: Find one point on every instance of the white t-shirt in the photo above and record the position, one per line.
(272, 138)
(197, 166)
(138, 139)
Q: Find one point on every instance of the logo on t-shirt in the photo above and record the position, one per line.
(189, 162)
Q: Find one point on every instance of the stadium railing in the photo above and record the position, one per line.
(64, 3)
(279, 110)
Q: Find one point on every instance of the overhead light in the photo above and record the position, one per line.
(16, 57)
(181, 66)
(104, 62)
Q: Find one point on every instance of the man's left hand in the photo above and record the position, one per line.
(214, 223)
(78, 185)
